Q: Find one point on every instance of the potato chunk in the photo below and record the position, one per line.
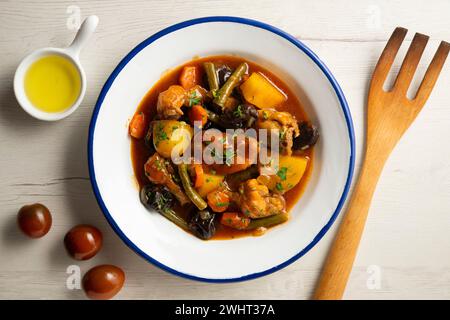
(258, 90)
(171, 136)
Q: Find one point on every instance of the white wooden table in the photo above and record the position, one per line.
(405, 251)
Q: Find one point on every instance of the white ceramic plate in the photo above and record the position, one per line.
(160, 241)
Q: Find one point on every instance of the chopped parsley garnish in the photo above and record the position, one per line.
(279, 187)
(159, 164)
(194, 99)
(265, 115)
(238, 112)
(282, 173)
(160, 134)
(222, 204)
(161, 201)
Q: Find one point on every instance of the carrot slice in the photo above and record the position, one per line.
(234, 220)
(189, 77)
(218, 200)
(138, 125)
(199, 176)
(198, 113)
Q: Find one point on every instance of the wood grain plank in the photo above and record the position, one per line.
(407, 234)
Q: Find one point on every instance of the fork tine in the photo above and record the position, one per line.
(410, 62)
(387, 57)
(432, 74)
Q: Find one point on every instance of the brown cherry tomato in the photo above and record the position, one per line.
(34, 220)
(83, 241)
(103, 282)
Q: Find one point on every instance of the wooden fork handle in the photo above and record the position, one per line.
(343, 251)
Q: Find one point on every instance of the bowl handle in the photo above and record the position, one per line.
(84, 33)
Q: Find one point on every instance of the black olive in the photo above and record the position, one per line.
(204, 214)
(223, 73)
(156, 197)
(159, 198)
(241, 117)
(309, 134)
(202, 224)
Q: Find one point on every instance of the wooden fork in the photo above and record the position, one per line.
(389, 115)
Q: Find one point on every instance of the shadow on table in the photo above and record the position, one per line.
(13, 116)
(11, 235)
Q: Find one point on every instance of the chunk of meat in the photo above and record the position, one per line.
(284, 122)
(196, 95)
(256, 201)
(170, 102)
(160, 171)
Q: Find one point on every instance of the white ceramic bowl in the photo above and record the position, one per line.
(72, 54)
(161, 242)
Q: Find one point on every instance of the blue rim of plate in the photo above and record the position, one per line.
(253, 23)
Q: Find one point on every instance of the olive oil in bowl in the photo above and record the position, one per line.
(52, 83)
(49, 83)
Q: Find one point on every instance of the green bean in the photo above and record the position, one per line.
(268, 221)
(228, 87)
(188, 189)
(159, 198)
(237, 178)
(213, 79)
(174, 217)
